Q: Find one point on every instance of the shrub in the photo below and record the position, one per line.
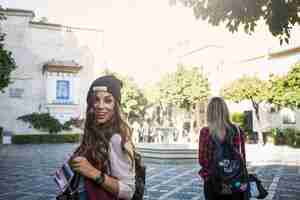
(67, 125)
(42, 121)
(297, 139)
(238, 118)
(290, 136)
(278, 136)
(45, 138)
(76, 122)
(45, 122)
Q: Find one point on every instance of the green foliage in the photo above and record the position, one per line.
(279, 15)
(67, 125)
(278, 136)
(184, 88)
(45, 139)
(297, 139)
(246, 88)
(76, 122)
(152, 94)
(45, 122)
(7, 63)
(285, 90)
(133, 101)
(288, 136)
(238, 118)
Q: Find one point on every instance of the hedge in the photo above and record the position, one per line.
(287, 136)
(45, 138)
(239, 118)
(45, 122)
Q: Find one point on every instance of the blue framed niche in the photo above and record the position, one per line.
(62, 91)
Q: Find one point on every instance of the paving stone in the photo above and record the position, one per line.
(26, 174)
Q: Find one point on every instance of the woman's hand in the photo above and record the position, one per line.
(83, 166)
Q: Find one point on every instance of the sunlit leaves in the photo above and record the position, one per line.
(246, 88)
(279, 15)
(285, 90)
(133, 100)
(184, 87)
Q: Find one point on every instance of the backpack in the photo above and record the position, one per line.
(140, 177)
(229, 175)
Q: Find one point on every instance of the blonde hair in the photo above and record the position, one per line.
(217, 116)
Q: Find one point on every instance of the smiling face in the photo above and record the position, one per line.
(104, 106)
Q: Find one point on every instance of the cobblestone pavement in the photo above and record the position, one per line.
(26, 173)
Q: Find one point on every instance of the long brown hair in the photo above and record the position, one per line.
(218, 117)
(95, 141)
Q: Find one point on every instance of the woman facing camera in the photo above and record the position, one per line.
(105, 156)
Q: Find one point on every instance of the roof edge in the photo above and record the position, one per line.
(11, 11)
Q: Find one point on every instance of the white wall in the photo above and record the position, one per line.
(32, 46)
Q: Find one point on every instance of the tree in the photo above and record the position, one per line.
(248, 88)
(279, 15)
(133, 101)
(285, 90)
(7, 63)
(186, 88)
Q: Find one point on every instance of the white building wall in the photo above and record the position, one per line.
(32, 46)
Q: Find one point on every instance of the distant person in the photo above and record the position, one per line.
(135, 132)
(105, 156)
(222, 155)
(140, 131)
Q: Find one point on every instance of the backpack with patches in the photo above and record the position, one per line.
(229, 175)
(140, 175)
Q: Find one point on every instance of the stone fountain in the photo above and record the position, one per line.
(168, 148)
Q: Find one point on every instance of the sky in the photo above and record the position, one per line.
(145, 38)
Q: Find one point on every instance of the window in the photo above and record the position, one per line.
(62, 90)
(288, 116)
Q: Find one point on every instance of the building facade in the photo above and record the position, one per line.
(221, 66)
(55, 65)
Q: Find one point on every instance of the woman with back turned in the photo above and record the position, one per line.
(222, 155)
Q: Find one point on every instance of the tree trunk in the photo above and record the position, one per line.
(259, 131)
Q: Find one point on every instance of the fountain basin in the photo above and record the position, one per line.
(168, 153)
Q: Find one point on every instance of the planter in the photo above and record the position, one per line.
(279, 140)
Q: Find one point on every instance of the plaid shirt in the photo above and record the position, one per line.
(205, 151)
